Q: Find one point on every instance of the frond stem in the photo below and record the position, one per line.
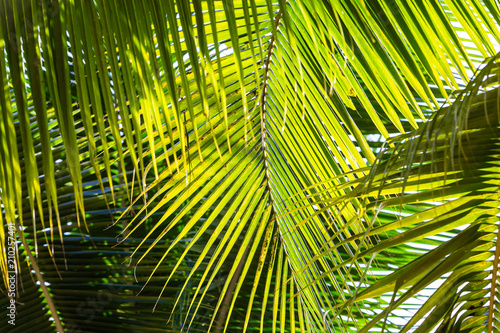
(263, 99)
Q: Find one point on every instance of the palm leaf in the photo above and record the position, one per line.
(204, 128)
(435, 189)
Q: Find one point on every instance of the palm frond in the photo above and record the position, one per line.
(431, 200)
(200, 129)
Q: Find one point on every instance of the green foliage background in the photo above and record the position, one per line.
(250, 165)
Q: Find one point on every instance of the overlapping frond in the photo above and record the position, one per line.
(336, 66)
